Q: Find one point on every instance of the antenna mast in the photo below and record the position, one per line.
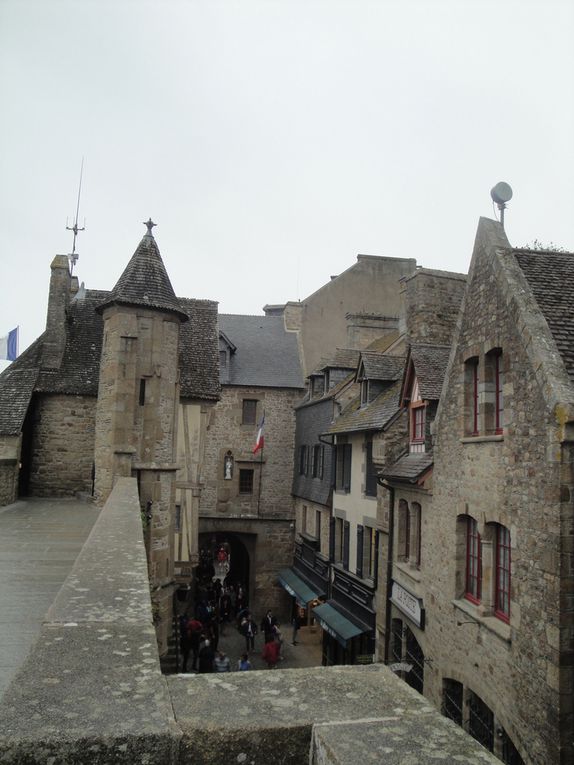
(73, 257)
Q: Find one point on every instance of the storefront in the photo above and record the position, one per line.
(345, 640)
(304, 594)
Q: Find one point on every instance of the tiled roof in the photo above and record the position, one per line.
(380, 367)
(332, 393)
(409, 467)
(343, 358)
(16, 387)
(430, 362)
(80, 370)
(145, 281)
(373, 416)
(266, 356)
(550, 276)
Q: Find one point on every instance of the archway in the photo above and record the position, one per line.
(239, 568)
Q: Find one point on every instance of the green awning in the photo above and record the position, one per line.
(337, 625)
(296, 587)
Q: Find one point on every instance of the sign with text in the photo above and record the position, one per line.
(409, 604)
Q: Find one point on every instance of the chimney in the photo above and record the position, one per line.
(58, 299)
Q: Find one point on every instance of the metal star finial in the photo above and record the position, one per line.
(150, 224)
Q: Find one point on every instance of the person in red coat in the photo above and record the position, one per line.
(270, 653)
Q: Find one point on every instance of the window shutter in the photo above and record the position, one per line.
(360, 532)
(347, 451)
(331, 538)
(346, 536)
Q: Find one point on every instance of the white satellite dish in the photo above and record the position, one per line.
(501, 194)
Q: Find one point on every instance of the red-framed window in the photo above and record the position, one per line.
(499, 404)
(418, 424)
(473, 590)
(502, 574)
(474, 394)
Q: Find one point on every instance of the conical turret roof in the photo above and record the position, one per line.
(145, 282)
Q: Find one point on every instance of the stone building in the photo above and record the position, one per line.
(96, 397)
(246, 501)
(350, 311)
(495, 569)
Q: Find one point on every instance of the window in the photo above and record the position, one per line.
(338, 551)
(498, 402)
(364, 392)
(246, 481)
(404, 536)
(304, 520)
(302, 460)
(473, 590)
(415, 524)
(480, 721)
(493, 401)
(249, 416)
(177, 528)
(452, 700)
(317, 386)
(360, 550)
(502, 574)
(471, 397)
(222, 359)
(369, 552)
(343, 469)
(346, 541)
(370, 472)
(142, 392)
(318, 451)
(418, 424)
(318, 527)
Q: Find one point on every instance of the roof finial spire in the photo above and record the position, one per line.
(150, 224)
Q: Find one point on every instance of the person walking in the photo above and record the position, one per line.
(267, 624)
(270, 653)
(205, 657)
(249, 629)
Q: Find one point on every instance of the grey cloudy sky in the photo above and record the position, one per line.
(273, 141)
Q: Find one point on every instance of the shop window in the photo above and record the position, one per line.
(473, 589)
(249, 412)
(502, 574)
(246, 481)
(397, 640)
(415, 657)
(452, 696)
(471, 403)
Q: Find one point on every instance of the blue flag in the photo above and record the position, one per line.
(9, 345)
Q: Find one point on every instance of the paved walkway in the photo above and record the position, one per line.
(307, 652)
(39, 542)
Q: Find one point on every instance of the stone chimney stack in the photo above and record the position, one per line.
(432, 301)
(363, 328)
(58, 301)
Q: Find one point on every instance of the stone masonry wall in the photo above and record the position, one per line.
(432, 303)
(62, 454)
(513, 480)
(9, 462)
(226, 433)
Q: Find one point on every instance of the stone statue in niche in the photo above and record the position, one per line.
(228, 467)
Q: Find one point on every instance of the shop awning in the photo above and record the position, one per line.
(337, 625)
(296, 587)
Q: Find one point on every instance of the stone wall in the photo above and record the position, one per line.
(62, 449)
(225, 433)
(370, 286)
(9, 468)
(512, 479)
(432, 303)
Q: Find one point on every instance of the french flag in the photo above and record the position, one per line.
(260, 440)
(9, 345)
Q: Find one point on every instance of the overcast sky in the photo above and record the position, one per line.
(273, 141)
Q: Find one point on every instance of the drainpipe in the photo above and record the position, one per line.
(391, 491)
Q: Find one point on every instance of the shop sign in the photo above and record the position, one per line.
(364, 658)
(409, 604)
(327, 629)
(400, 666)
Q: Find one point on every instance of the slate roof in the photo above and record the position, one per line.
(374, 416)
(332, 393)
(79, 372)
(430, 362)
(343, 358)
(377, 366)
(550, 276)
(266, 356)
(145, 282)
(409, 467)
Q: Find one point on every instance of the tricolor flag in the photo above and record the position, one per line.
(259, 442)
(9, 345)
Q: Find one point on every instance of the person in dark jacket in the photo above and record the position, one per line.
(206, 656)
(267, 626)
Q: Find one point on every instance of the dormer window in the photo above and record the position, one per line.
(317, 386)
(364, 392)
(417, 417)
